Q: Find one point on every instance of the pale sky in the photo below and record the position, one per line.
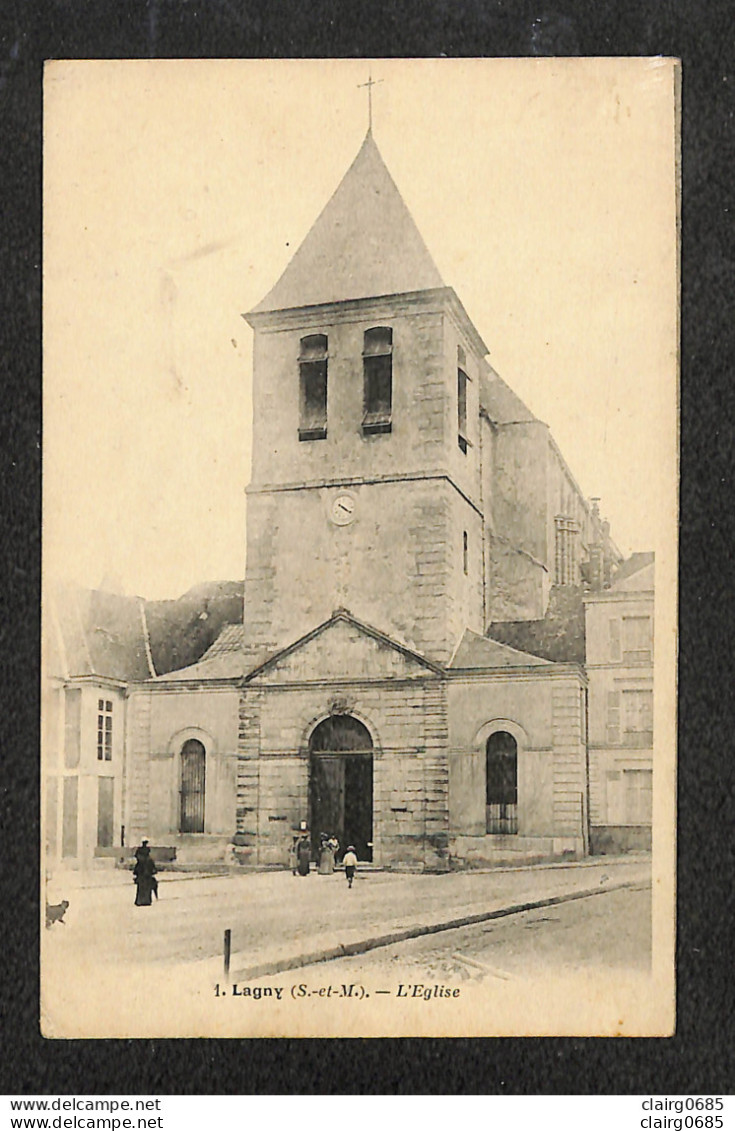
(176, 193)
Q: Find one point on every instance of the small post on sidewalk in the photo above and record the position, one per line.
(228, 944)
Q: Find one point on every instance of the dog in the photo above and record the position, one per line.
(55, 912)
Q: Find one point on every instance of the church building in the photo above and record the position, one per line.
(407, 514)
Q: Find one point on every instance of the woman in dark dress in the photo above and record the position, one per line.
(303, 855)
(144, 876)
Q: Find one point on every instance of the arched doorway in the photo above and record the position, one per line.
(341, 783)
(193, 771)
(501, 768)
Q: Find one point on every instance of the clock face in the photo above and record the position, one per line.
(342, 511)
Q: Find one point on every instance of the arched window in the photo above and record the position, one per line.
(313, 387)
(501, 763)
(193, 771)
(377, 365)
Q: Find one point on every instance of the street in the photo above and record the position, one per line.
(114, 969)
(611, 930)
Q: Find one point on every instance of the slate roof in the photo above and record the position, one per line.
(103, 633)
(476, 651)
(499, 401)
(363, 244)
(181, 631)
(92, 632)
(224, 659)
(559, 636)
(632, 565)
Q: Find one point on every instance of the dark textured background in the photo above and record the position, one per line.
(699, 1058)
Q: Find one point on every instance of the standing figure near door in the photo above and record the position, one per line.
(327, 851)
(144, 876)
(303, 856)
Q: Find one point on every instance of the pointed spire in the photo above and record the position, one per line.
(365, 243)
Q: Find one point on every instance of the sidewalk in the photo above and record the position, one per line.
(279, 921)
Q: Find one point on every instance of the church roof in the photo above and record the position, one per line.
(363, 244)
(558, 636)
(181, 630)
(477, 651)
(223, 659)
(101, 634)
(501, 404)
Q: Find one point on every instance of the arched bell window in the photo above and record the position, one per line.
(377, 364)
(313, 356)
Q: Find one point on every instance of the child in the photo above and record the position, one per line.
(350, 863)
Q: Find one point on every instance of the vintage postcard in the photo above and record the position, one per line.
(360, 533)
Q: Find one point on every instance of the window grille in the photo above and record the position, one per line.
(501, 791)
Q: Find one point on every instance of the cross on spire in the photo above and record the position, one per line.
(370, 84)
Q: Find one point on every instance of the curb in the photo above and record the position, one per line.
(347, 950)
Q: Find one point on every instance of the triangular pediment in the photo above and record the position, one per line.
(343, 648)
(363, 244)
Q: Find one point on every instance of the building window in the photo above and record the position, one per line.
(638, 796)
(638, 717)
(313, 387)
(465, 552)
(636, 640)
(501, 783)
(462, 380)
(377, 367)
(565, 550)
(192, 792)
(104, 730)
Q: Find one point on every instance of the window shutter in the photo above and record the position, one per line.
(613, 717)
(614, 638)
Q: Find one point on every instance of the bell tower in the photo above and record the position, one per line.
(366, 479)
